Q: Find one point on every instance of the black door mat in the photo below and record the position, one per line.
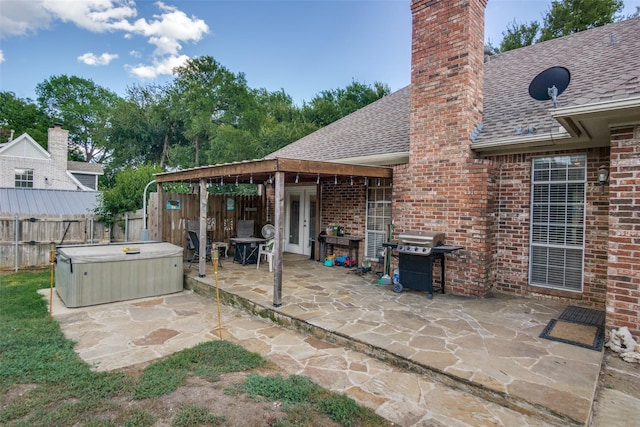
(581, 335)
(586, 316)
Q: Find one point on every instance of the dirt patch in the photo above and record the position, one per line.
(619, 375)
(236, 408)
(16, 392)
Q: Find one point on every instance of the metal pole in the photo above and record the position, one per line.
(17, 261)
(91, 230)
(144, 234)
(126, 227)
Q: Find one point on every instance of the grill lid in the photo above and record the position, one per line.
(427, 239)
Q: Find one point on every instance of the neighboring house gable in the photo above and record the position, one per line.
(24, 146)
(24, 163)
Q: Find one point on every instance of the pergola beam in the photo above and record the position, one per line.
(260, 170)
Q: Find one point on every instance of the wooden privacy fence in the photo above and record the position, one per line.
(223, 213)
(25, 241)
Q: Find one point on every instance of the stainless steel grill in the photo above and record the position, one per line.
(419, 242)
(416, 252)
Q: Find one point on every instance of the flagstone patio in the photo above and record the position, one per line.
(487, 347)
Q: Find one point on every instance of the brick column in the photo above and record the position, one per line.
(447, 188)
(623, 285)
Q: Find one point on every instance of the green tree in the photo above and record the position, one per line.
(126, 194)
(22, 116)
(144, 126)
(571, 16)
(331, 105)
(563, 18)
(83, 108)
(209, 96)
(519, 35)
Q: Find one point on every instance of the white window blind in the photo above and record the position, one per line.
(378, 216)
(557, 222)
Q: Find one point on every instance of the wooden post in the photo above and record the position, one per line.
(279, 239)
(202, 232)
(160, 213)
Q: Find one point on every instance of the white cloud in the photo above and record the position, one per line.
(91, 58)
(163, 66)
(18, 18)
(1, 56)
(135, 53)
(166, 30)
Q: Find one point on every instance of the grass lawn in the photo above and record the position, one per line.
(44, 383)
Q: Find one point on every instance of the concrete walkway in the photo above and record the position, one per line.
(417, 362)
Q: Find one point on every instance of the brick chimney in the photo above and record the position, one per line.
(445, 187)
(57, 145)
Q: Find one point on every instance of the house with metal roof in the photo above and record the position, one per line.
(540, 192)
(36, 181)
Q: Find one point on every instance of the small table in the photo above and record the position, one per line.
(352, 242)
(246, 249)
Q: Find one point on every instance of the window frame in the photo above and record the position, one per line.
(23, 176)
(563, 239)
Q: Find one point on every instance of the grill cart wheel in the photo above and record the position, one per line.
(397, 287)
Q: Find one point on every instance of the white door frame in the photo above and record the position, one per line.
(305, 193)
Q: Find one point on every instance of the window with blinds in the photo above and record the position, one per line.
(558, 222)
(378, 216)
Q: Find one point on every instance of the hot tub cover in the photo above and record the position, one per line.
(84, 254)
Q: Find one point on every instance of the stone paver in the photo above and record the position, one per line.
(453, 360)
(403, 397)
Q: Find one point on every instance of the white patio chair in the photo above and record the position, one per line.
(266, 249)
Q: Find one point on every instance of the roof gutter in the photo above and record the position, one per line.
(376, 160)
(596, 107)
(617, 113)
(521, 143)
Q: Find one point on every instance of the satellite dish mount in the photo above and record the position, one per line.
(549, 84)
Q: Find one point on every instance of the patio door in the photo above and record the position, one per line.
(300, 219)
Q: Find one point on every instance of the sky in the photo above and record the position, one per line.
(300, 46)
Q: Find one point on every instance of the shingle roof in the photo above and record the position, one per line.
(381, 127)
(85, 167)
(35, 201)
(604, 63)
(600, 71)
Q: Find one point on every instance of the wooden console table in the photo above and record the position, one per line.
(351, 242)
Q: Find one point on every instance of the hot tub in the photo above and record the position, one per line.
(98, 274)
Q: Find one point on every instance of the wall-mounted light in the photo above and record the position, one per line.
(603, 177)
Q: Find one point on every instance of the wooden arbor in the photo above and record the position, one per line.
(278, 171)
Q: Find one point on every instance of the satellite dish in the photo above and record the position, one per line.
(549, 84)
(268, 231)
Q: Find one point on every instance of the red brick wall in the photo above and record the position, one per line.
(514, 193)
(623, 288)
(447, 188)
(346, 205)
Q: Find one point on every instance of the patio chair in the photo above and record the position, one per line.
(195, 243)
(266, 249)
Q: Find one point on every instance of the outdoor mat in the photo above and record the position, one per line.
(586, 316)
(587, 336)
